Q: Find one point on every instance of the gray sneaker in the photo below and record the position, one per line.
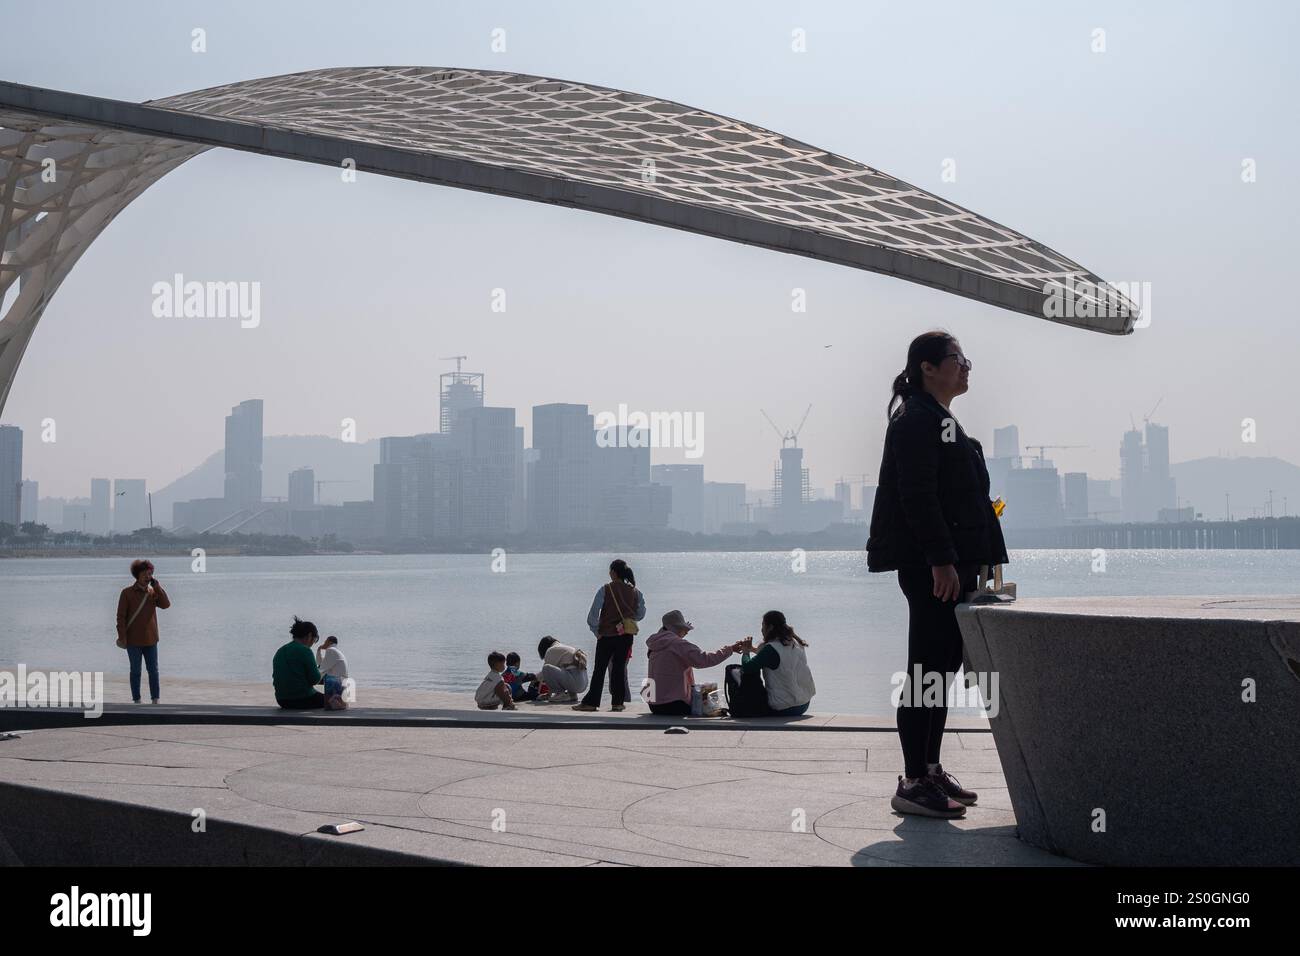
(925, 799)
(954, 790)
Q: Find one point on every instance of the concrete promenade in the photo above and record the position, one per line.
(433, 781)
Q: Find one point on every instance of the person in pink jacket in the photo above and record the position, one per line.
(672, 663)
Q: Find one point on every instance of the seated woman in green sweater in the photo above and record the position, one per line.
(784, 665)
(294, 672)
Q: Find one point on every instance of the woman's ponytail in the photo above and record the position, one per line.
(775, 625)
(929, 347)
(901, 391)
(620, 570)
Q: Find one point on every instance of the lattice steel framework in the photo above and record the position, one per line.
(70, 163)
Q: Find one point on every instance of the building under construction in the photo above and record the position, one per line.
(457, 390)
(790, 490)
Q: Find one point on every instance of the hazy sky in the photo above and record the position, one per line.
(1127, 161)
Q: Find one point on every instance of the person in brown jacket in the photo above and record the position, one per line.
(137, 625)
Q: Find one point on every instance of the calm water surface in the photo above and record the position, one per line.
(428, 621)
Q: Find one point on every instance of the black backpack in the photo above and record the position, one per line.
(746, 695)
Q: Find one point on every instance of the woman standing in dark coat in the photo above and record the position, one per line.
(933, 523)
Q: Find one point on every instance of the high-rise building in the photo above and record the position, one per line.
(457, 390)
(844, 495)
(519, 499)
(11, 474)
(531, 457)
(1033, 499)
(130, 505)
(403, 491)
(1146, 484)
(49, 512)
(623, 497)
(1158, 484)
(560, 490)
(634, 507)
(418, 487)
(1076, 495)
(1103, 502)
(99, 519)
(244, 455)
(687, 484)
(867, 496)
(1132, 464)
(1006, 442)
(356, 522)
(485, 439)
(302, 489)
(444, 502)
(723, 504)
(622, 456)
(789, 491)
(30, 497)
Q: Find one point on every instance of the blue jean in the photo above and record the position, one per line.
(792, 711)
(150, 655)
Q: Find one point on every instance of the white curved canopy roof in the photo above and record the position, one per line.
(553, 141)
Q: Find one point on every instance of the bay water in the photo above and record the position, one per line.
(429, 621)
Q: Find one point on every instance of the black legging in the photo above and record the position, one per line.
(611, 654)
(933, 642)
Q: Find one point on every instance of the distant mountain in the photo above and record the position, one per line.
(332, 460)
(1203, 482)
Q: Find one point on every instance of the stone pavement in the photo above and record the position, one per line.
(551, 793)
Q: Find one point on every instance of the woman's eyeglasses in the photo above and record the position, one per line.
(962, 360)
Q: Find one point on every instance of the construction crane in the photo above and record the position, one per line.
(454, 358)
(792, 437)
(1146, 419)
(1041, 447)
(332, 481)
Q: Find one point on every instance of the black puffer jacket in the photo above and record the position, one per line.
(932, 503)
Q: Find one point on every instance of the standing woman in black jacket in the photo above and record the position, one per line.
(933, 523)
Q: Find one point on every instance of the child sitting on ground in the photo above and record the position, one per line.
(334, 668)
(516, 680)
(494, 692)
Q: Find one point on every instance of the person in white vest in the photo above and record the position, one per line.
(783, 661)
(564, 670)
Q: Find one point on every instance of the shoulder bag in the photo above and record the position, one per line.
(121, 641)
(626, 625)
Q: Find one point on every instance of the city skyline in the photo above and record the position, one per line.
(487, 481)
(70, 486)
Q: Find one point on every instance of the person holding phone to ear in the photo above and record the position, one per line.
(933, 523)
(137, 625)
